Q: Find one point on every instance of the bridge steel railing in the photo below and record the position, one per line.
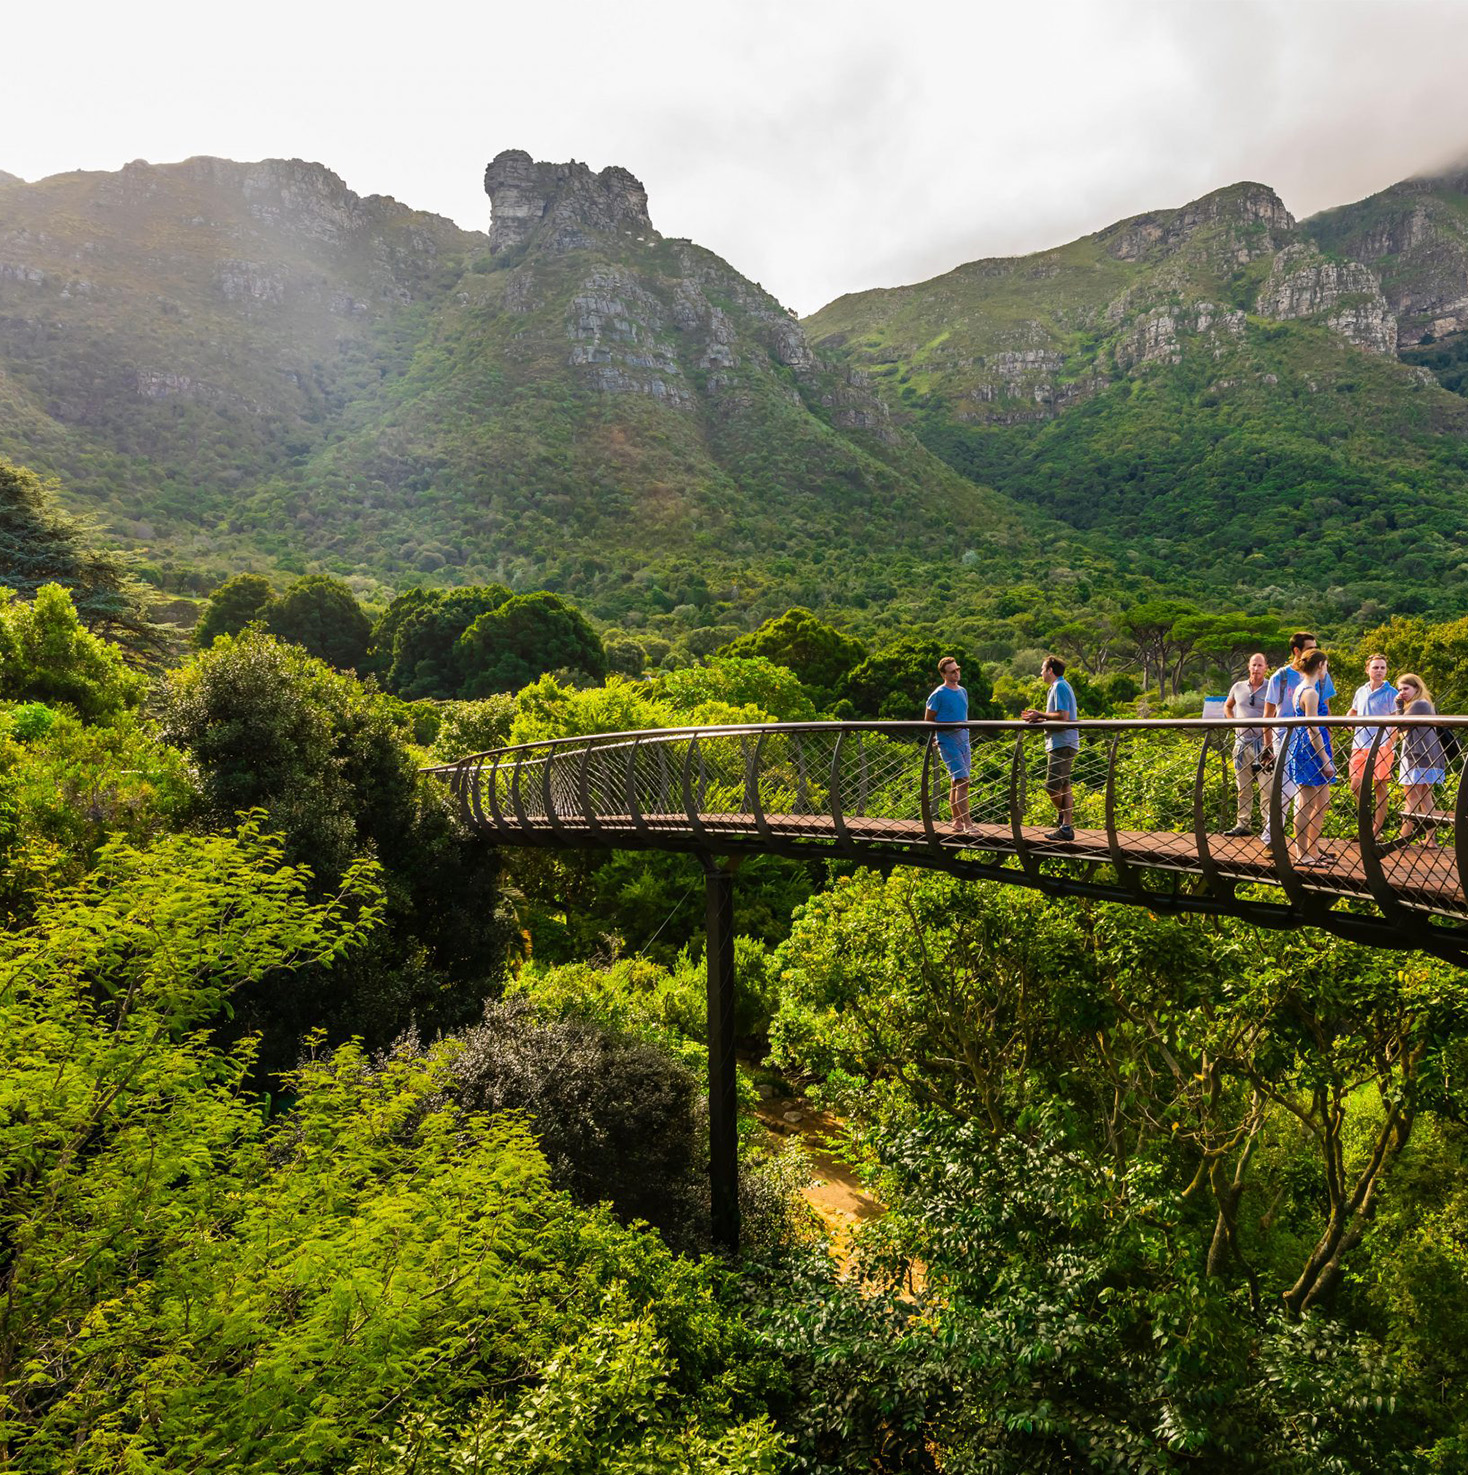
(1153, 802)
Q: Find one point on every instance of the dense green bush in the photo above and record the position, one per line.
(514, 644)
(818, 653)
(40, 545)
(47, 655)
(618, 1119)
(232, 606)
(322, 616)
(269, 727)
(379, 1280)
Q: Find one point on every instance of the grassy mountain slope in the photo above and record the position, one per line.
(1205, 389)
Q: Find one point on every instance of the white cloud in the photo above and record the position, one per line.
(822, 146)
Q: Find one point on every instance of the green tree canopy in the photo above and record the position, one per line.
(892, 682)
(322, 616)
(232, 606)
(524, 638)
(818, 653)
(47, 655)
(1438, 653)
(413, 643)
(40, 544)
(378, 1280)
(739, 681)
(269, 727)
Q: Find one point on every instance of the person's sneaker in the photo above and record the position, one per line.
(1065, 832)
(1238, 832)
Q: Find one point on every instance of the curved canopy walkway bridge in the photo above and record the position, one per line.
(1153, 802)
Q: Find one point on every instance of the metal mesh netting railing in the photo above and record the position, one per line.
(1360, 814)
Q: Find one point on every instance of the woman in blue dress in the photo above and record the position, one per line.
(1310, 767)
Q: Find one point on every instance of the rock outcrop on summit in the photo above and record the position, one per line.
(562, 204)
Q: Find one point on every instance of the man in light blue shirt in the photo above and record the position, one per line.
(1061, 743)
(1377, 697)
(949, 703)
(1279, 701)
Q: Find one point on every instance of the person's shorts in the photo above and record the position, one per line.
(1422, 775)
(953, 748)
(1058, 764)
(1380, 774)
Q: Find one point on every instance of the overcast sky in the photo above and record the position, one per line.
(821, 146)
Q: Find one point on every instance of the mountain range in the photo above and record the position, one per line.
(248, 365)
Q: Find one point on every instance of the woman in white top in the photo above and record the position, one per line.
(1422, 765)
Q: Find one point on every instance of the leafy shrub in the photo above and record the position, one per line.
(31, 720)
(232, 606)
(47, 655)
(322, 616)
(518, 642)
(617, 1119)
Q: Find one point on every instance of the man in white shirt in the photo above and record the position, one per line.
(1376, 698)
(1246, 699)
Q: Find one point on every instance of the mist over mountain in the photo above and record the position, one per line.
(242, 364)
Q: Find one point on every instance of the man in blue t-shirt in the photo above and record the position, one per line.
(1279, 701)
(1062, 743)
(949, 703)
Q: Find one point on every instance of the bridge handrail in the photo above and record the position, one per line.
(980, 726)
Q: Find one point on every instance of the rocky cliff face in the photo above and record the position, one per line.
(1251, 216)
(1415, 237)
(647, 316)
(560, 205)
(1344, 295)
(1024, 341)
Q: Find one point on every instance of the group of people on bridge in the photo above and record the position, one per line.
(1300, 688)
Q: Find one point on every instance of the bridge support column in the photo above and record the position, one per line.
(723, 1085)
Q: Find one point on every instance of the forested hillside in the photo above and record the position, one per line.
(248, 365)
(1212, 391)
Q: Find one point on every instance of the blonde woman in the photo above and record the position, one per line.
(1422, 765)
(1311, 765)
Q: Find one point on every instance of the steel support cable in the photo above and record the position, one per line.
(1217, 883)
(925, 798)
(1018, 796)
(583, 789)
(761, 819)
(1122, 866)
(547, 789)
(1460, 839)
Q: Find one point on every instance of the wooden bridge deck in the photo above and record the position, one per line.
(1428, 874)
